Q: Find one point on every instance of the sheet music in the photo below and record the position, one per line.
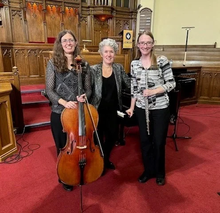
(121, 114)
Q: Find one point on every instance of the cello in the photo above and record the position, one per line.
(81, 160)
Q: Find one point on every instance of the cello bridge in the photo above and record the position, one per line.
(81, 147)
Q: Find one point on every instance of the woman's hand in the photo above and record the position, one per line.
(71, 104)
(130, 112)
(81, 98)
(148, 92)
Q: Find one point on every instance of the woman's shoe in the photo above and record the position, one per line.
(68, 187)
(160, 181)
(144, 178)
(110, 165)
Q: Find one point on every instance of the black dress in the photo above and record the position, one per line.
(107, 126)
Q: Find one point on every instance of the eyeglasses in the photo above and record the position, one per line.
(65, 41)
(148, 43)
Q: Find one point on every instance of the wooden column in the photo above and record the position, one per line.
(7, 137)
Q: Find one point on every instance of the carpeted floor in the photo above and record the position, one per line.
(192, 181)
(36, 109)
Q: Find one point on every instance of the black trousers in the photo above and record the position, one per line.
(59, 136)
(107, 131)
(153, 145)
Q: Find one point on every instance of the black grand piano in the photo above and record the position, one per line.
(185, 89)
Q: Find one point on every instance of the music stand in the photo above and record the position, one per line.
(176, 97)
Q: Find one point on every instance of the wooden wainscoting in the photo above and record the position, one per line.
(209, 90)
(196, 55)
(31, 60)
(94, 58)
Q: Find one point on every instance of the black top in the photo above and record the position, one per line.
(109, 101)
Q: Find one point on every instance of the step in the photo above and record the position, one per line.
(36, 97)
(37, 127)
(32, 88)
(35, 114)
(31, 94)
(36, 109)
(45, 123)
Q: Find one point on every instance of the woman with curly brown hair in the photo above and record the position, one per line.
(62, 84)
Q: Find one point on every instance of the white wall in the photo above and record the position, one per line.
(169, 16)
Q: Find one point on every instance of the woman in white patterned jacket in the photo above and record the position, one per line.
(151, 80)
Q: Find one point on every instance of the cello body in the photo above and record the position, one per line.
(80, 161)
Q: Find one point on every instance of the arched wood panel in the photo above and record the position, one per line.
(7, 58)
(18, 26)
(33, 63)
(34, 15)
(70, 20)
(101, 30)
(53, 20)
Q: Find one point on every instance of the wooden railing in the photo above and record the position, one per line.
(211, 47)
(196, 55)
(102, 2)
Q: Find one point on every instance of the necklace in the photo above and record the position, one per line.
(106, 67)
(106, 71)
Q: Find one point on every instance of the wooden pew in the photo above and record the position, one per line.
(15, 98)
(193, 58)
(94, 58)
(211, 47)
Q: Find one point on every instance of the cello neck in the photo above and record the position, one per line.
(82, 131)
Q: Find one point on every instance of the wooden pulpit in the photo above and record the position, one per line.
(7, 137)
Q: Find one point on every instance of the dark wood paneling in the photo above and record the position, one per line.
(209, 90)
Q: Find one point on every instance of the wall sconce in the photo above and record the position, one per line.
(103, 17)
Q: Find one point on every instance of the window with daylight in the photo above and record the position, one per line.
(145, 19)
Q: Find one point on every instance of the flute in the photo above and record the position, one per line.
(146, 107)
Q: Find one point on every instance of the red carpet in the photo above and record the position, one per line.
(32, 87)
(36, 114)
(36, 109)
(31, 186)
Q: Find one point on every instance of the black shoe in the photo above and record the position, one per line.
(68, 187)
(103, 172)
(120, 143)
(144, 178)
(160, 181)
(110, 165)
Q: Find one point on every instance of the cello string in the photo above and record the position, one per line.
(94, 127)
